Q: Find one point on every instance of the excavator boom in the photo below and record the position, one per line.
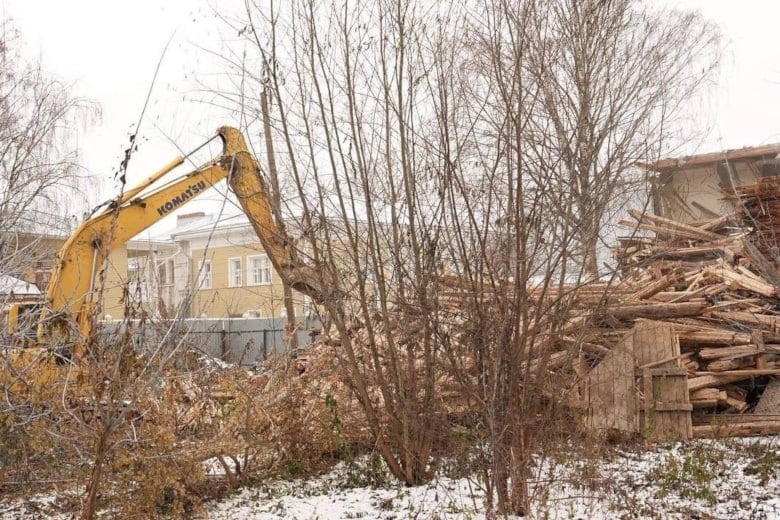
(74, 286)
(72, 289)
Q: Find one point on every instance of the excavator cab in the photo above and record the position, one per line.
(21, 322)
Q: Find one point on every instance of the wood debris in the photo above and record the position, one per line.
(730, 329)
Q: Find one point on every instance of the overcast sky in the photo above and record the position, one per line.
(108, 51)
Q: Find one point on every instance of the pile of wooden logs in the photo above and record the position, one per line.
(760, 204)
(717, 286)
(713, 284)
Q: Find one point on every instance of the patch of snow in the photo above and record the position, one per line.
(17, 287)
(714, 480)
(734, 479)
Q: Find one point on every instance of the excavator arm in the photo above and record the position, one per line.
(246, 182)
(73, 288)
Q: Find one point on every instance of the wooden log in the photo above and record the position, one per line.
(738, 430)
(713, 337)
(655, 310)
(682, 229)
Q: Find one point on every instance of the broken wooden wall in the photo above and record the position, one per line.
(611, 392)
(641, 387)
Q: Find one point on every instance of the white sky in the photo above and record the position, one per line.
(108, 51)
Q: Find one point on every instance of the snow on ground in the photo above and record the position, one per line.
(729, 480)
(708, 480)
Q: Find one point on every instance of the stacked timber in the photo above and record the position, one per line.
(760, 203)
(717, 287)
(712, 282)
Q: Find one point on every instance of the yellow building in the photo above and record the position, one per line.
(222, 271)
(33, 257)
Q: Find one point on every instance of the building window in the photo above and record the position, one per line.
(42, 277)
(165, 273)
(234, 272)
(204, 275)
(259, 270)
(306, 306)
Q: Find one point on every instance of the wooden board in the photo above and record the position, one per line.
(664, 407)
(611, 395)
(770, 399)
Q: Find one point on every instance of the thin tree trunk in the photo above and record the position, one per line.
(291, 327)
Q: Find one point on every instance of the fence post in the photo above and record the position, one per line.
(223, 341)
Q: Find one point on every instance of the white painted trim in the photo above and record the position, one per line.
(232, 285)
(201, 286)
(249, 277)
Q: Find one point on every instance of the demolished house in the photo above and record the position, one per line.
(706, 364)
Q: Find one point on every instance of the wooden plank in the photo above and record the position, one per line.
(749, 283)
(673, 233)
(714, 337)
(719, 222)
(657, 286)
(714, 379)
(666, 407)
(736, 352)
(610, 391)
(745, 374)
(691, 231)
(654, 341)
(655, 310)
(738, 430)
(712, 158)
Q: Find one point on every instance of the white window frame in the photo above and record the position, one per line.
(205, 274)
(232, 282)
(250, 278)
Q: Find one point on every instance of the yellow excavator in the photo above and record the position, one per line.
(65, 317)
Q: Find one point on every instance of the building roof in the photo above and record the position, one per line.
(749, 153)
(17, 287)
(207, 223)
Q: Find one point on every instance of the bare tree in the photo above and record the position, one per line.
(39, 172)
(40, 180)
(616, 82)
(486, 140)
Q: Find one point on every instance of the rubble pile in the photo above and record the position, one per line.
(714, 283)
